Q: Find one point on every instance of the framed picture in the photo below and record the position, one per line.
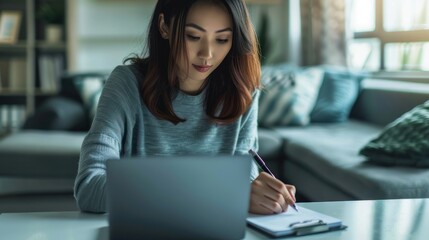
(9, 26)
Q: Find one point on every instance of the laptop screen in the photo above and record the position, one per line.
(178, 197)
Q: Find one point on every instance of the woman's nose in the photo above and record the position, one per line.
(205, 51)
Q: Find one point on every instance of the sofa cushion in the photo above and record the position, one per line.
(404, 141)
(288, 97)
(38, 153)
(330, 153)
(58, 113)
(338, 93)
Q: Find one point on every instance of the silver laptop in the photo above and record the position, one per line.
(184, 197)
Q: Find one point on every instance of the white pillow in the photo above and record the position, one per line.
(288, 100)
(90, 90)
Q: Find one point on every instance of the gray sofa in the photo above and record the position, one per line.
(321, 159)
(38, 163)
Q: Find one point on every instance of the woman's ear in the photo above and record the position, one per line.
(163, 28)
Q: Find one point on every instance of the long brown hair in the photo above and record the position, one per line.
(229, 87)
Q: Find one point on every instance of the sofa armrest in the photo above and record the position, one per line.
(40, 154)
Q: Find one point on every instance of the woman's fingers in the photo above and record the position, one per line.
(270, 195)
(277, 198)
(292, 191)
(263, 205)
(287, 191)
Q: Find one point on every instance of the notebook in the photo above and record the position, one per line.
(186, 197)
(291, 222)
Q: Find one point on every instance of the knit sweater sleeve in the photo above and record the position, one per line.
(248, 136)
(104, 139)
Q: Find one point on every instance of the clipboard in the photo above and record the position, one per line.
(292, 223)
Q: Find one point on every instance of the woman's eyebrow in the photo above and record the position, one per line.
(193, 25)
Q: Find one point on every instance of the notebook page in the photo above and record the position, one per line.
(283, 223)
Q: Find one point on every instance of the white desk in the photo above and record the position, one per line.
(406, 219)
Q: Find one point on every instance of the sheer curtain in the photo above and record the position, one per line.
(323, 32)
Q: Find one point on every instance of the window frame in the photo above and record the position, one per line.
(385, 37)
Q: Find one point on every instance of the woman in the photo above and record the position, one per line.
(195, 93)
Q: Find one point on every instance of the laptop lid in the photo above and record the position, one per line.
(191, 197)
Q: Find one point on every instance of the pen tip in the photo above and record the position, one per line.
(295, 207)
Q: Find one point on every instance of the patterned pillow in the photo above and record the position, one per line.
(90, 90)
(404, 141)
(288, 96)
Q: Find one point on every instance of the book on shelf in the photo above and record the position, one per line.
(4, 118)
(50, 69)
(4, 74)
(17, 74)
(12, 117)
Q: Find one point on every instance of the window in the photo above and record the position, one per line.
(389, 35)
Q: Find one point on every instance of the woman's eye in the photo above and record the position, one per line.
(191, 37)
(222, 40)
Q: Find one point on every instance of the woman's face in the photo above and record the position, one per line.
(208, 38)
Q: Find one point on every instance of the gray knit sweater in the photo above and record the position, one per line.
(123, 126)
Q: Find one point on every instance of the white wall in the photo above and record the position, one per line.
(104, 32)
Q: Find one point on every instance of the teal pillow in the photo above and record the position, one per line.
(404, 141)
(337, 95)
(288, 95)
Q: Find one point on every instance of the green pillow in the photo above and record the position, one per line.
(403, 142)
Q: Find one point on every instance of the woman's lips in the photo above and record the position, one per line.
(201, 68)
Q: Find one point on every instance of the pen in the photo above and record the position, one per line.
(264, 167)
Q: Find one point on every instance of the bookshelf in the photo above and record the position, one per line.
(32, 61)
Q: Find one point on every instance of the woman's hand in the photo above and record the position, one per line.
(269, 195)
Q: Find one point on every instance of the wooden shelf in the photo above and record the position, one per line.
(43, 45)
(16, 47)
(12, 92)
(44, 93)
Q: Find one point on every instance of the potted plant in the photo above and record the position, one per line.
(51, 13)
